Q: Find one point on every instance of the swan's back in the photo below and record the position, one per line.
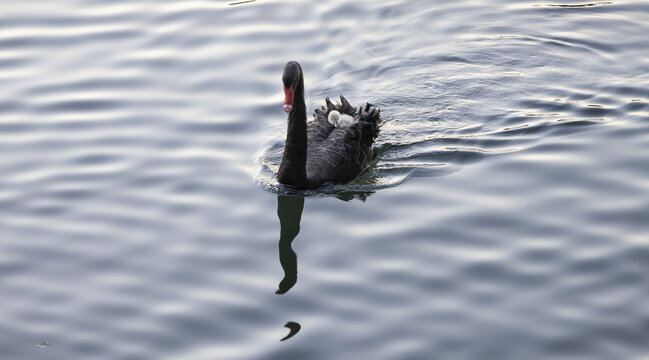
(339, 155)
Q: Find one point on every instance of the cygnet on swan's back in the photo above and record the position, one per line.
(340, 120)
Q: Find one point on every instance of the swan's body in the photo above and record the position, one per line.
(340, 120)
(317, 152)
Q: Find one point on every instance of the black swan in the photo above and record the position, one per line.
(317, 152)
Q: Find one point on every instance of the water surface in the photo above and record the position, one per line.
(505, 218)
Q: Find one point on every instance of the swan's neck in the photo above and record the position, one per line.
(292, 171)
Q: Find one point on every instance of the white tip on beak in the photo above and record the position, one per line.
(288, 108)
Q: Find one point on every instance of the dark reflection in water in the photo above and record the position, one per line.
(289, 211)
(349, 195)
(293, 327)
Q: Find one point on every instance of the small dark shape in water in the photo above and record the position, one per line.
(294, 327)
(599, 3)
(241, 2)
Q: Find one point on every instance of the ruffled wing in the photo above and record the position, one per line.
(345, 152)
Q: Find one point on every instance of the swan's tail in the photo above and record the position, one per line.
(369, 120)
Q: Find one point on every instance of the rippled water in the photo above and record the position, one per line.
(506, 216)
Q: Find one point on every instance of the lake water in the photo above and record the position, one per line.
(507, 215)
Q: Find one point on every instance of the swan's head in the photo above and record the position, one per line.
(291, 79)
(334, 117)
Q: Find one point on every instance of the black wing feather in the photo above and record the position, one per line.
(339, 155)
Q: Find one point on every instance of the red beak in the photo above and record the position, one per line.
(288, 99)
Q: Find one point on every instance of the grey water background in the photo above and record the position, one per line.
(505, 218)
